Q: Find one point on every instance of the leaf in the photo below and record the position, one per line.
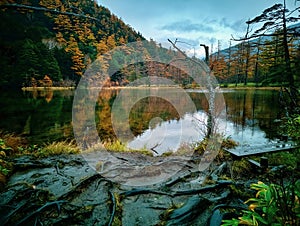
(233, 222)
(297, 188)
(260, 219)
(268, 196)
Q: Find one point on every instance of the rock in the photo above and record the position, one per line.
(66, 190)
(216, 218)
(189, 211)
(55, 190)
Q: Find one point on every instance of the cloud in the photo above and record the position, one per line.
(238, 25)
(187, 26)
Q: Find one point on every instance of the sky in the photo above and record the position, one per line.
(192, 22)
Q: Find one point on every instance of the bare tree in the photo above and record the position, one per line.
(210, 85)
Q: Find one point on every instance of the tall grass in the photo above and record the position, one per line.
(58, 148)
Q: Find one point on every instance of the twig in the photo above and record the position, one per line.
(155, 146)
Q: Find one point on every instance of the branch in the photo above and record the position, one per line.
(257, 36)
(264, 16)
(186, 57)
(43, 9)
(175, 47)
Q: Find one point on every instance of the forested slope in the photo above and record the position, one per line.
(55, 38)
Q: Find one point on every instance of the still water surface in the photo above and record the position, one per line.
(46, 116)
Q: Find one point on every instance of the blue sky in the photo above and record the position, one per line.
(191, 21)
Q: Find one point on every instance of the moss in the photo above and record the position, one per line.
(240, 192)
(241, 167)
(165, 216)
(226, 143)
(290, 159)
(168, 153)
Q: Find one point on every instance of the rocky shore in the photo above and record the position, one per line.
(66, 190)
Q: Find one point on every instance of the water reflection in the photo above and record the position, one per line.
(250, 121)
(41, 116)
(153, 120)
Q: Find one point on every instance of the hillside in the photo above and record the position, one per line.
(56, 39)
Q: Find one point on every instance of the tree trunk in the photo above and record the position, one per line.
(286, 50)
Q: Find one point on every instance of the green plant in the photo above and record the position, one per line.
(273, 205)
(4, 170)
(4, 147)
(293, 127)
(5, 166)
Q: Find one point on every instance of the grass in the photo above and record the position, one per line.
(118, 146)
(226, 143)
(57, 148)
(250, 85)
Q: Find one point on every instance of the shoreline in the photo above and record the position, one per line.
(47, 88)
(146, 87)
(259, 88)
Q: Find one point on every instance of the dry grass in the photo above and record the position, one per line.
(117, 146)
(58, 148)
(13, 141)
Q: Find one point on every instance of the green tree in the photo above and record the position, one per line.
(274, 21)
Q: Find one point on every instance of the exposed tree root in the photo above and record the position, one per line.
(39, 210)
(114, 206)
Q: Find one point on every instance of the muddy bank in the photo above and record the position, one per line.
(66, 190)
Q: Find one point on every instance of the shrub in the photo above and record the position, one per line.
(273, 205)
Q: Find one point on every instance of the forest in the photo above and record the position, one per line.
(35, 43)
(61, 38)
(268, 55)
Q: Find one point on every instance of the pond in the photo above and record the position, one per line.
(153, 121)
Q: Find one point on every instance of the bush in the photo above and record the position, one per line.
(273, 205)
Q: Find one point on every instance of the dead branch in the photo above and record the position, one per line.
(43, 9)
(185, 56)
